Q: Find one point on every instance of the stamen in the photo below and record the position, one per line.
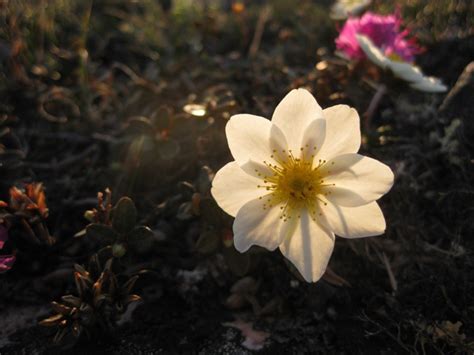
(294, 184)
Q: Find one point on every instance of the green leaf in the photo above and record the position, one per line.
(90, 215)
(72, 301)
(168, 149)
(140, 233)
(138, 125)
(60, 308)
(208, 242)
(52, 321)
(101, 233)
(185, 211)
(128, 286)
(80, 234)
(124, 215)
(141, 240)
(132, 298)
(118, 250)
(62, 332)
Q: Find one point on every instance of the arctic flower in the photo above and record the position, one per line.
(401, 69)
(6, 261)
(297, 181)
(380, 39)
(342, 9)
(384, 31)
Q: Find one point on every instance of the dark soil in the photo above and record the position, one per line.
(71, 119)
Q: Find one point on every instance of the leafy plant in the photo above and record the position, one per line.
(216, 227)
(100, 300)
(116, 226)
(28, 211)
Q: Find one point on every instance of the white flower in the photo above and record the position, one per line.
(342, 9)
(405, 71)
(297, 180)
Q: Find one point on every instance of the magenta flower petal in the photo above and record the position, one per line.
(383, 31)
(3, 236)
(6, 262)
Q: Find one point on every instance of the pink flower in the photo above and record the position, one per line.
(3, 236)
(6, 261)
(383, 31)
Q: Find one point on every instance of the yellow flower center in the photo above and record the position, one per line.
(294, 183)
(297, 181)
(395, 57)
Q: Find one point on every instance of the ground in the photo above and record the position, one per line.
(134, 96)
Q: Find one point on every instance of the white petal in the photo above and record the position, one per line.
(313, 138)
(342, 132)
(309, 248)
(277, 139)
(358, 180)
(294, 114)
(338, 12)
(405, 71)
(232, 188)
(354, 222)
(429, 84)
(345, 8)
(249, 137)
(257, 170)
(260, 169)
(372, 51)
(359, 6)
(256, 224)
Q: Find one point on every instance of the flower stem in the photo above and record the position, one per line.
(374, 104)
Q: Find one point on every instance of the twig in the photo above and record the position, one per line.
(257, 37)
(72, 137)
(138, 80)
(386, 331)
(66, 162)
(61, 95)
(334, 279)
(391, 276)
(374, 104)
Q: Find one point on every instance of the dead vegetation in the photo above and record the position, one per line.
(134, 96)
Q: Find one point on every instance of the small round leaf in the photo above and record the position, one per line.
(141, 240)
(168, 149)
(208, 242)
(124, 215)
(101, 232)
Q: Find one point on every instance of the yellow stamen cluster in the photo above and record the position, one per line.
(395, 57)
(294, 183)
